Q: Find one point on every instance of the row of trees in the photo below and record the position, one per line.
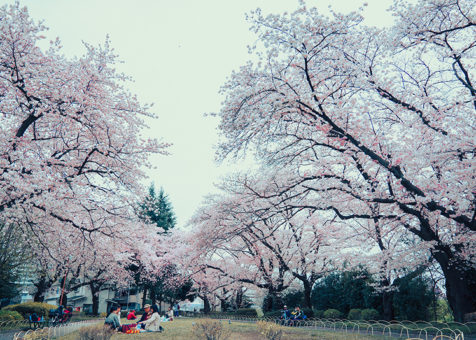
(366, 142)
(71, 165)
(413, 298)
(22, 262)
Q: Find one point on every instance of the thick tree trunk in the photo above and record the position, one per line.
(387, 304)
(152, 296)
(307, 294)
(206, 304)
(42, 286)
(460, 280)
(223, 305)
(39, 296)
(268, 303)
(387, 299)
(94, 298)
(239, 299)
(144, 295)
(272, 301)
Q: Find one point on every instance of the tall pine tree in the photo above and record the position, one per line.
(157, 209)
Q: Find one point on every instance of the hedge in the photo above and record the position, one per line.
(332, 314)
(28, 308)
(318, 313)
(7, 315)
(246, 312)
(355, 314)
(369, 314)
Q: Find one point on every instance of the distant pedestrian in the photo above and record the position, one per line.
(175, 308)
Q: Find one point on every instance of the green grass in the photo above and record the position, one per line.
(181, 329)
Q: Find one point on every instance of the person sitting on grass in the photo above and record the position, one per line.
(113, 318)
(170, 314)
(131, 315)
(147, 313)
(153, 323)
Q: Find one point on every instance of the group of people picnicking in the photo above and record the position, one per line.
(149, 321)
(59, 315)
(288, 318)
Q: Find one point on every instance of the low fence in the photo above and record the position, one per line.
(54, 332)
(13, 324)
(423, 330)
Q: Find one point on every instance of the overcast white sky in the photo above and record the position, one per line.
(179, 52)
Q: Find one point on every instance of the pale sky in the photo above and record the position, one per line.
(179, 53)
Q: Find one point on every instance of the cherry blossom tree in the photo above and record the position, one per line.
(370, 123)
(100, 262)
(71, 151)
(252, 243)
(230, 252)
(304, 243)
(207, 282)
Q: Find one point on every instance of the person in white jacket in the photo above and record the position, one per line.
(152, 324)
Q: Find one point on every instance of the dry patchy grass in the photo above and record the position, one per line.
(181, 329)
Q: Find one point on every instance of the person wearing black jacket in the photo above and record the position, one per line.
(147, 313)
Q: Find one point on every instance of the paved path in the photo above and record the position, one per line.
(8, 335)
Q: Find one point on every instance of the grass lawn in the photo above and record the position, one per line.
(181, 329)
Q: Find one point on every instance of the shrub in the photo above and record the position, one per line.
(332, 314)
(259, 312)
(210, 330)
(318, 313)
(345, 290)
(413, 298)
(369, 314)
(28, 308)
(270, 330)
(7, 315)
(443, 311)
(355, 314)
(96, 332)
